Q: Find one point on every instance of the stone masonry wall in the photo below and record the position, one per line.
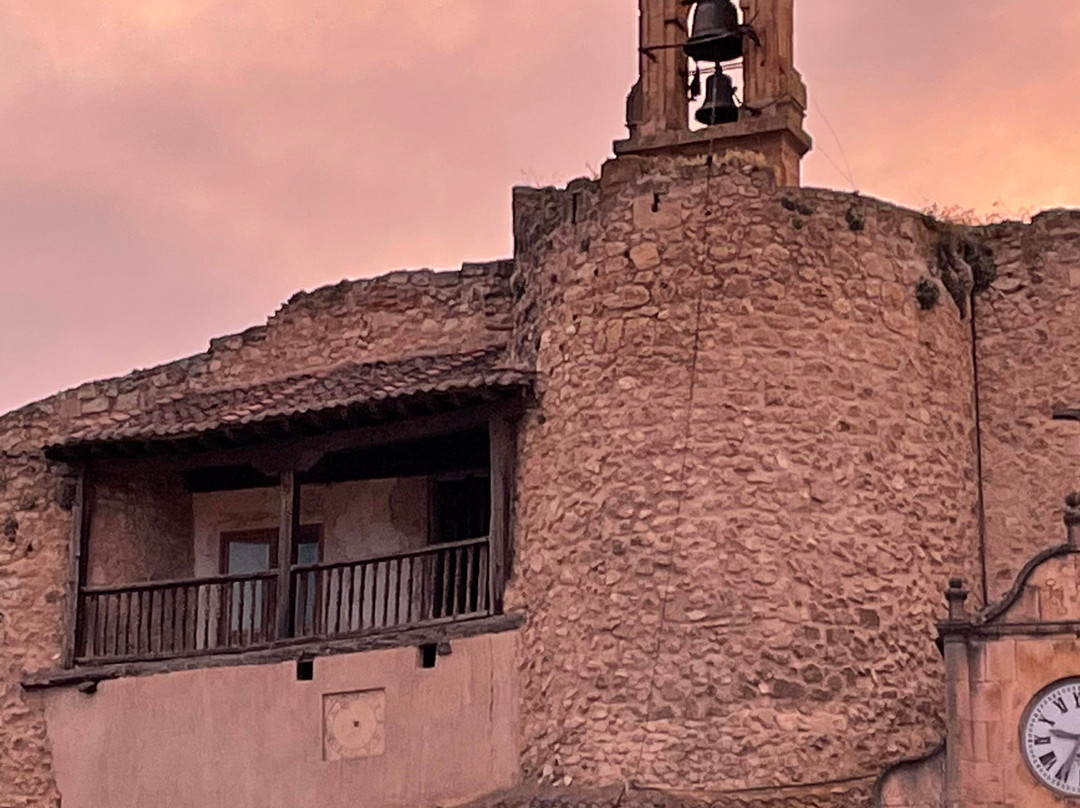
(751, 476)
(141, 527)
(1028, 328)
(399, 315)
(35, 522)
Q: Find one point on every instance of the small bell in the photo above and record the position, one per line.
(719, 106)
(716, 36)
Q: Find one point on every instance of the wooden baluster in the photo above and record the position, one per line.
(395, 593)
(116, 628)
(227, 613)
(409, 600)
(242, 620)
(425, 585)
(386, 596)
(258, 614)
(168, 597)
(446, 592)
(269, 609)
(163, 619)
(349, 600)
(103, 623)
(88, 609)
(125, 623)
(146, 609)
(324, 588)
(340, 595)
(361, 596)
(459, 560)
(198, 614)
(206, 607)
(300, 606)
(470, 557)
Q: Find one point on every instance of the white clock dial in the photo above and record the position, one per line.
(1050, 737)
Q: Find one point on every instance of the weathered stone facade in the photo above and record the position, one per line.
(752, 475)
(752, 467)
(1028, 327)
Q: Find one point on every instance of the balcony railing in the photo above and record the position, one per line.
(446, 582)
(223, 614)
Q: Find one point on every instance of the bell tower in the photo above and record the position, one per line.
(684, 40)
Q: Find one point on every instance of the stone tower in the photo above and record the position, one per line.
(774, 96)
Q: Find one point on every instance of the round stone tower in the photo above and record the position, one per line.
(750, 474)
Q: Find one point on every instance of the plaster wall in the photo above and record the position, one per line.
(754, 473)
(253, 736)
(359, 519)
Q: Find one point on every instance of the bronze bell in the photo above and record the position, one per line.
(719, 106)
(716, 36)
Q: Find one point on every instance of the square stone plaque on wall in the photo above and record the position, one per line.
(354, 725)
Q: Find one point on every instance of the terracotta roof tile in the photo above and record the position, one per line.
(344, 386)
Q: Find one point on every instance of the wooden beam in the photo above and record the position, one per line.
(288, 529)
(503, 450)
(278, 653)
(76, 575)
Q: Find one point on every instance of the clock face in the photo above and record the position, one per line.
(354, 725)
(1050, 737)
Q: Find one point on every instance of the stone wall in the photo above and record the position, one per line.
(752, 475)
(35, 522)
(1028, 329)
(141, 527)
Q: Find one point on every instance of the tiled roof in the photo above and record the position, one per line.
(348, 388)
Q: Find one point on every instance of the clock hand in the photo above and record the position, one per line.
(1070, 736)
(1066, 767)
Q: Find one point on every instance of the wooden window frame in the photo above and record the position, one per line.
(308, 534)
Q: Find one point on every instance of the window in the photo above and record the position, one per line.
(248, 552)
(462, 509)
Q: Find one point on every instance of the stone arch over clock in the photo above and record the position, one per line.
(1013, 687)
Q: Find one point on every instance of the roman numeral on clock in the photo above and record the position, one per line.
(1042, 741)
(1061, 705)
(1043, 720)
(1048, 760)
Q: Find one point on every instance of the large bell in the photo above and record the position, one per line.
(716, 36)
(719, 106)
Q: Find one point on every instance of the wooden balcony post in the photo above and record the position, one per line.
(502, 447)
(76, 578)
(287, 532)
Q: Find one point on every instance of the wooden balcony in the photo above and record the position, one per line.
(445, 583)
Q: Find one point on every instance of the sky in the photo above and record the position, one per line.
(172, 170)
